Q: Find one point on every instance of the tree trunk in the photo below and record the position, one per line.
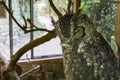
(87, 56)
(76, 6)
(117, 31)
(2, 11)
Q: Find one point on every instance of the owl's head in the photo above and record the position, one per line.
(73, 27)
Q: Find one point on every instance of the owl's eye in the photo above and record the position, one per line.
(76, 33)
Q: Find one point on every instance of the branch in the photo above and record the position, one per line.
(36, 28)
(30, 71)
(53, 21)
(11, 14)
(32, 30)
(69, 6)
(24, 21)
(24, 27)
(55, 9)
(29, 46)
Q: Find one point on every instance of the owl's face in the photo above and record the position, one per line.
(73, 27)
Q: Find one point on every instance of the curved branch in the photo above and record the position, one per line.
(29, 46)
(55, 9)
(69, 6)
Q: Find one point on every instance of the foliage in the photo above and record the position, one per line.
(103, 14)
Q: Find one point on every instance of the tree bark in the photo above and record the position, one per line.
(76, 6)
(87, 56)
(117, 31)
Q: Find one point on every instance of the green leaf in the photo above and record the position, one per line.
(82, 6)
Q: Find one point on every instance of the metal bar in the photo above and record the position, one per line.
(10, 28)
(31, 34)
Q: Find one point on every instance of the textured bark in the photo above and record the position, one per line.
(2, 11)
(87, 56)
(76, 6)
(117, 31)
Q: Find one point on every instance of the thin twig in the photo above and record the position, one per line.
(11, 15)
(52, 20)
(31, 70)
(24, 27)
(36, 28)
(32, 30)
(24, 21)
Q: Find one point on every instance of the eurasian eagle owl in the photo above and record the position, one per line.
(87, 56)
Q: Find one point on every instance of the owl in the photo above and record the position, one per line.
(87, 55)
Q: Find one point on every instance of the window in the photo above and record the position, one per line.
(41, 16)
